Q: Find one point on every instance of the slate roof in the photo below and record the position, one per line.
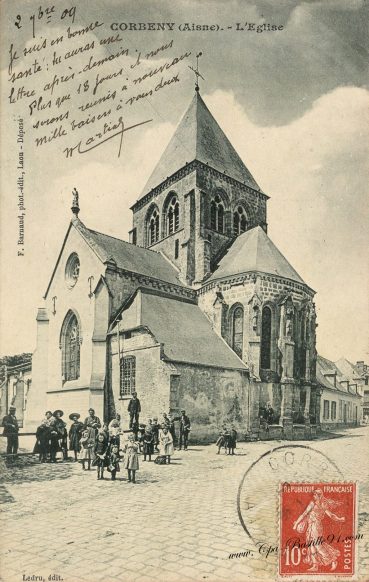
(185, 332)
(323, 365)
(254, 251)
(130, 257)
(199, 137)
(346, 368)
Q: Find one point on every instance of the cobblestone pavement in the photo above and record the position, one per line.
(177, 523)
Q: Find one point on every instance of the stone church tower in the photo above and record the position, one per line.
(202, 209)
(198, 197)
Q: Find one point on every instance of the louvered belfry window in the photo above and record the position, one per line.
(217, 214)
(239, 221)
(154, 227)
(173, 215)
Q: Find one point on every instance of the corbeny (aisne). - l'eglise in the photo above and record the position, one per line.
(200, 311)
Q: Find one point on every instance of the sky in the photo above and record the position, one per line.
(294, 104)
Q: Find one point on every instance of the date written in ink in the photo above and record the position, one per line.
(46, 14)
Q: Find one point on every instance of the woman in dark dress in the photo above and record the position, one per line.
(58, 436)
(75, 433)
(101, 457)
(42, 446)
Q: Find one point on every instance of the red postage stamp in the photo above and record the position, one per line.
(317, 529)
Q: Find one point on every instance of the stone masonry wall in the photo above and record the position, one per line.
(213, 397)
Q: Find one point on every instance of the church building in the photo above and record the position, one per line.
(199, 311)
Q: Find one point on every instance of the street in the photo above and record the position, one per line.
(178, 522)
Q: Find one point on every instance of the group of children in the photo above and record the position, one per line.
(105, 453)
(102, 449)
(228, 440)
(97, 444)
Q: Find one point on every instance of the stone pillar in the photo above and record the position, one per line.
(202, 245)
(307, 404)
(188, 244)
(254, 403)
(319, 392)
(288, 357)
(286, 343)
(37, 396)
(254, 358)
(286, 409)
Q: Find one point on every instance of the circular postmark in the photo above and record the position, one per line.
(258, 493)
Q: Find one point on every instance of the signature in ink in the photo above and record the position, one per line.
(119, 128)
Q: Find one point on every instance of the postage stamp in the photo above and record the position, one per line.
(317, 529)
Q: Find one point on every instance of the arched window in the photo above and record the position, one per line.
(153, 226)
(217, 214)
(172, 215)
(237, 331)
(70, 344)
(127, 375)
(239, 221)
(266, 338)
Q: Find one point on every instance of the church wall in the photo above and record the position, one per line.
(255, 203)
(166, 244)
(197, 241)
(77, 299)
(212, 397)
(75, 401)
(240, 290)
(152, 376)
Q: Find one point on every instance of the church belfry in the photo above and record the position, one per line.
(199, 197)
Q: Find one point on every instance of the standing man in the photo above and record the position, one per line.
(269, 414)
(184, 429)
(134, 409)
(11, 430)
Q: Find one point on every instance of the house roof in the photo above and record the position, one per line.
(254, 251)
(346, 368)
(199, 137)
(185, 332)
(324, 367)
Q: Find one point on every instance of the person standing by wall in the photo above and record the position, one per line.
(87, 447)
(11, 430)
(101, 449)
(75, 433)
(166, 444)
(184, 430)
(155, 431)
(131, 458)
(134, 409)
(115, 430)
(61, 427)
(92, 421)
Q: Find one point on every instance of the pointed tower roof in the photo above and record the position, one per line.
(199, 137)
(253, 251)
